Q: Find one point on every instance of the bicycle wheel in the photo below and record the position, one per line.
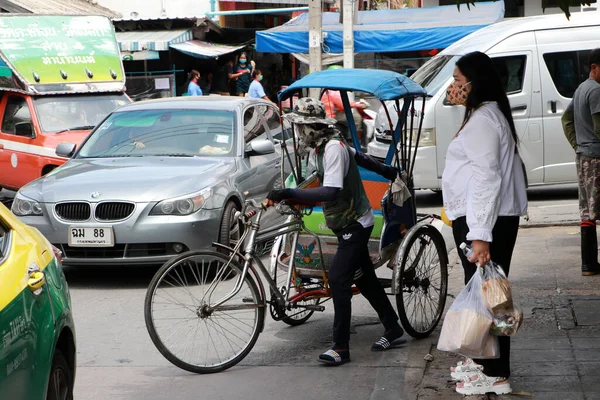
(185, 330)
(423, 282)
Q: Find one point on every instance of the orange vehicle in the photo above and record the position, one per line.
(59, 77)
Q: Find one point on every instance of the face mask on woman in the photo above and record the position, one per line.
(242, 61)
(457, 94)
(260, 78)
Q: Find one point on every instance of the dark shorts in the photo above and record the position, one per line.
(588, 172)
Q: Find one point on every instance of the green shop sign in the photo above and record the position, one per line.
(54, 50)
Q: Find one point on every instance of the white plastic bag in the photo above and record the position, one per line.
(466, 328)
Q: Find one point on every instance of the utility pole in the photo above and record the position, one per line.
(349, 15)
(315, 39)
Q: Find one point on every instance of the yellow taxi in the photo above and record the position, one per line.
(37, 334)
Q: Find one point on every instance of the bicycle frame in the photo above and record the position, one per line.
(250, 259)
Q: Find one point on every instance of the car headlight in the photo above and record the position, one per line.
(427, 136)
(184, 205)
(23, 206)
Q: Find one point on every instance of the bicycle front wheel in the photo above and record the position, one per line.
(184, 326)
(423, 282)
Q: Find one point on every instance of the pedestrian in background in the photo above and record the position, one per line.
(193, 87)
(242, 72)
(581, 124)
(256, 90)
(222, 80)
(483, 186)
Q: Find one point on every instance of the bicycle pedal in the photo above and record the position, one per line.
(314, 308)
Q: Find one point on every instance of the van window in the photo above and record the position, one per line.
(568, 69)
(435, 73)
(16, 111)
(511, 70)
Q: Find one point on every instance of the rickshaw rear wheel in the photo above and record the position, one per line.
(423, 282)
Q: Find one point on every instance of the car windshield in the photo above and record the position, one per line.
(75, 112)
(435, 73)
(175, 133)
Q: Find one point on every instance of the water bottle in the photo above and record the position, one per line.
(467, 250)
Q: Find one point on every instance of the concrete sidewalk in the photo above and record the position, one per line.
(556, 354)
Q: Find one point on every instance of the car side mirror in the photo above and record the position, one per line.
(24, 129)
(65, 149)
(260, 147)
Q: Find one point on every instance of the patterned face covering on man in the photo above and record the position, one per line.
(311, 124)
(457, 94)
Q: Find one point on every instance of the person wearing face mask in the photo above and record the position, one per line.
(581, 123)
(483, 186)
(256, 90)
(242, 74)
(349, 215)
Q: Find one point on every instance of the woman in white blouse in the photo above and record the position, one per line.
(484, 194)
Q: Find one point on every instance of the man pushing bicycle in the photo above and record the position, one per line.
(349, 215)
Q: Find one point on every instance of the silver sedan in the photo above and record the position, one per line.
(157, 178)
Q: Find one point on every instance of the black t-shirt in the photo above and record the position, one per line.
(243, 81)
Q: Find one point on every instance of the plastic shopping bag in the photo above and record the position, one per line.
(466, 328)
(498, 297)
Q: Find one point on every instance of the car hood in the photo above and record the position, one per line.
(139, 179)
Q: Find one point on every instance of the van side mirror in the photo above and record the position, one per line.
(260, 147)
(24, 129)
(65, 149)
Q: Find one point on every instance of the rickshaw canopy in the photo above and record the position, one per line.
(384, 85)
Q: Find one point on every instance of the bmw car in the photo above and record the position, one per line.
(157, 178)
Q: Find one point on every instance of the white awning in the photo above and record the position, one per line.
(152, 40)
(140, 55)
(199, 49)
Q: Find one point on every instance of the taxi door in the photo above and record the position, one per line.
(20, 147)
(26, 319)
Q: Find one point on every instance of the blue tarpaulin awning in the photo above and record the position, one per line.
(407, 29)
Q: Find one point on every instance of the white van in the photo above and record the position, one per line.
(542, 60)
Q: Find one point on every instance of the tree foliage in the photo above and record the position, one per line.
(563, 4)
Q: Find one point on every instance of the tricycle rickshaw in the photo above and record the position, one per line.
(204, 310)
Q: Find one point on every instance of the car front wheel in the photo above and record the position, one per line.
(60, 386)
(231, 229)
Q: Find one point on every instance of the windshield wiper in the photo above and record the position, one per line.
(77, 128)
(173, 155)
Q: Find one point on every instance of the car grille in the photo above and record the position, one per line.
(113, 211)
(73, 211)
(120, 250)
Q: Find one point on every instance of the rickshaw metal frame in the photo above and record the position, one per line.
(401, 149)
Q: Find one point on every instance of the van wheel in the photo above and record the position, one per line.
(48, 168)
(60, 385)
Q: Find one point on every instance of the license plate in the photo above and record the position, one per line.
(91, 237)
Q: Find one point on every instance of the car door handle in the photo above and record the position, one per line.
(278, 164)
(522, 107)
(553, 107)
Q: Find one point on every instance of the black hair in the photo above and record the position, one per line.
(595, 57)
(193, 74)
(256, 73)
(486, 85)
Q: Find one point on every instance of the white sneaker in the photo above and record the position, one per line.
(464, 369)
(482, 384)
